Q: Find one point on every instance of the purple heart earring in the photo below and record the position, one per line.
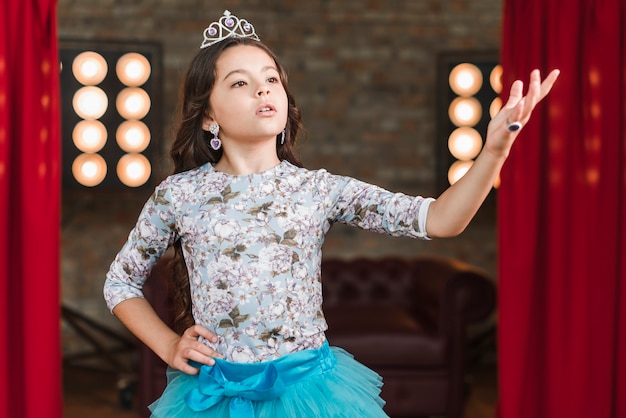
(215, 142)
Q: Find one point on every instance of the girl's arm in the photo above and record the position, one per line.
(176, 350)
(450, 214)
(147, 241)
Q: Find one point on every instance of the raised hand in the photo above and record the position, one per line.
(507, 124)
(453, 210)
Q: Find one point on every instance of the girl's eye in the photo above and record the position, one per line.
(273, 80)
(239, 84)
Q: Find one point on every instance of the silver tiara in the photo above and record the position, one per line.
(229, 26)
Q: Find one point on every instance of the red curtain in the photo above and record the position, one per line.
(30, 352)
(562, 286)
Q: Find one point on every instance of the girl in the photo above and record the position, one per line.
(248, 222)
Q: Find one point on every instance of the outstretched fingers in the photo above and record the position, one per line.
(537, 90)
(547, 84)
(519, 107)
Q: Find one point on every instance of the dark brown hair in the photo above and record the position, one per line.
(190, 148)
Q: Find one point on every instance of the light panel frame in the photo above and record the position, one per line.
(112, 51)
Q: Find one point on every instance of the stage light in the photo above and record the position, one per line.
(458, 170)
(465, 143)
(465, 79)
(133, 69)
(133, 103)
(89, 135)
(495, 107)
(133, 136)
(496, 184)
(89, 169)
(90, 102)
(465, 111)
(109, 93)
(495, 79)
(89, 68)
(133, 170)
(467, 86)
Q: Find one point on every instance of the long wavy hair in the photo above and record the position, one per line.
(190, 148)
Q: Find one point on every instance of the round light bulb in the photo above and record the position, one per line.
(465, 143)
(133, 170)
(465, 111)
(89, 169)
(495, 107)
(89, 68)
(466, 79)
(458, 170)
(133, 69)
(495, 78)
(133, 103)
(90, 102)
(133, 136)
(89, 135)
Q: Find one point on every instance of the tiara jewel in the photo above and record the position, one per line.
(229, 26)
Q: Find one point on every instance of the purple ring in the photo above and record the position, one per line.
(514, 126)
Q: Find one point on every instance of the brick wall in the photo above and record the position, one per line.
(364, 74)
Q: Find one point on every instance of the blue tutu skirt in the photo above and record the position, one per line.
(327, 382)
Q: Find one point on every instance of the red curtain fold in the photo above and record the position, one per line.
(30, 353)
(562, 286)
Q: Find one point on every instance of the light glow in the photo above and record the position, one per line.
(465, 111)
(133, 136)
(89, 68)
(89, 169)
(89, 135)
(133, 103)
(465, 143)
(458, 170)
(133, 69)
(133, 170)
(90, 102)
(466, 79)
(495, 107)
(495, 79)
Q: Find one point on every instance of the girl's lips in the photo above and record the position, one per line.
(266, 109)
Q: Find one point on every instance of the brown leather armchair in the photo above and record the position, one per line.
(405, 318)
(408, 320)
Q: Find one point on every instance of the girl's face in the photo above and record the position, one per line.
(248, 100)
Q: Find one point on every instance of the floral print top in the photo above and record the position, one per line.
(252, 245)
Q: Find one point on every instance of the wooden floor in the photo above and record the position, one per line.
(91, 393)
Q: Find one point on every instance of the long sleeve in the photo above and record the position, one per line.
(375, 209)
(154, 232)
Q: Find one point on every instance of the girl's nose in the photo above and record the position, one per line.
(263, 90)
